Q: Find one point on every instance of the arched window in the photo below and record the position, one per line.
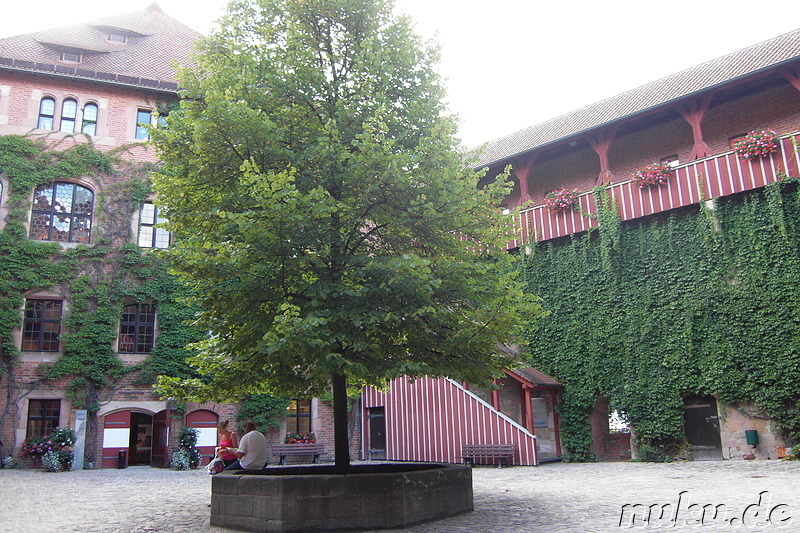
(89, 124)
(47, 110)
(69, 111)
(62, 212)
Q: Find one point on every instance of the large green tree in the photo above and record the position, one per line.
(326, 217)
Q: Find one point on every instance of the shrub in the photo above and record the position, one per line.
(180, 459)
(63, 437)
(36, 447)
(187, 437)
(57, 460)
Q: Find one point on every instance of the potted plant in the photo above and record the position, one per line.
(654, 174)
(187, 456)
(755, 144)
(559, 200)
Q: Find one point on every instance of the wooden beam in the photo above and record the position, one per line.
(601, 142)
(522, 169)
(694, 112)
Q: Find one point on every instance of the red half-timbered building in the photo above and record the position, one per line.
(686, 121)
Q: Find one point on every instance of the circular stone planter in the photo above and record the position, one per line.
(313, 498)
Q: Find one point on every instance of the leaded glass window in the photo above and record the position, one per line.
(62, 212)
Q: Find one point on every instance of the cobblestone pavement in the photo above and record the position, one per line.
(554, 498)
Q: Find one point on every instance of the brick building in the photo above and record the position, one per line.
(685, 122)
(97, 85)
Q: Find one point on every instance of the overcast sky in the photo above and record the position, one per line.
(510, 64)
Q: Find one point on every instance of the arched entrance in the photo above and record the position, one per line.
(141, 439)
(135, 438)
(205, 422)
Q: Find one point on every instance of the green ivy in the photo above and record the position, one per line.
(96, 280)
(700, 301)
(265, 410)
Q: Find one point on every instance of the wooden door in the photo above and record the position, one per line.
(160, 456)
(205, 422)
(116, 439)
(701, 422)
(377, 433)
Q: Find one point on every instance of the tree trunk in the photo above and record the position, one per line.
(341, 442)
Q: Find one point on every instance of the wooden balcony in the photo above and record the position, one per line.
(690, 183)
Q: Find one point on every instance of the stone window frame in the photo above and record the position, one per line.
(48, 422)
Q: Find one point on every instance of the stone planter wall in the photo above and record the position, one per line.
(312, 498)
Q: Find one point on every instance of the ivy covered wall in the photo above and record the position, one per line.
(702, 301)
(94, 280)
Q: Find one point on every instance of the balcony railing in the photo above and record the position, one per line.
(690, 183)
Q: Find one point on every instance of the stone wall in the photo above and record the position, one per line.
(735, 419)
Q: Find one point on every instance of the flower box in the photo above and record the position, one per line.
(755, 144)
(655, 174)
(561, 200)
(300, 438)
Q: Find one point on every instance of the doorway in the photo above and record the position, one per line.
(141, 443)
(701, 422)
(377, 433)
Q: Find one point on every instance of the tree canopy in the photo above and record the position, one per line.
(325, 215)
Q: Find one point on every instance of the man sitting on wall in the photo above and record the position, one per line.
(252, 451)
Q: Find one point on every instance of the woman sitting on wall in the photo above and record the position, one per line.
(227, 439)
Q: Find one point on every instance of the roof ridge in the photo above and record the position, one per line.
(597, 105)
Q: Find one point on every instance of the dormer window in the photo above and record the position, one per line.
(117, 38)
(70, 58)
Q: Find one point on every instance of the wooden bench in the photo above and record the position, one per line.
(283, 450)
(502, 452)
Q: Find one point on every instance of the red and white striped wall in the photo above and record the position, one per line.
(430, 419)
(691, 183)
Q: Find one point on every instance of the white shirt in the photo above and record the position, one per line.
(254, 447)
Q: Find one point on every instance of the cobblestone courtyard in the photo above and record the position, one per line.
(560, 498)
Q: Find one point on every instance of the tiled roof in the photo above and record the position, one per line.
(155, 43)
(722, 70)
(536, 377)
